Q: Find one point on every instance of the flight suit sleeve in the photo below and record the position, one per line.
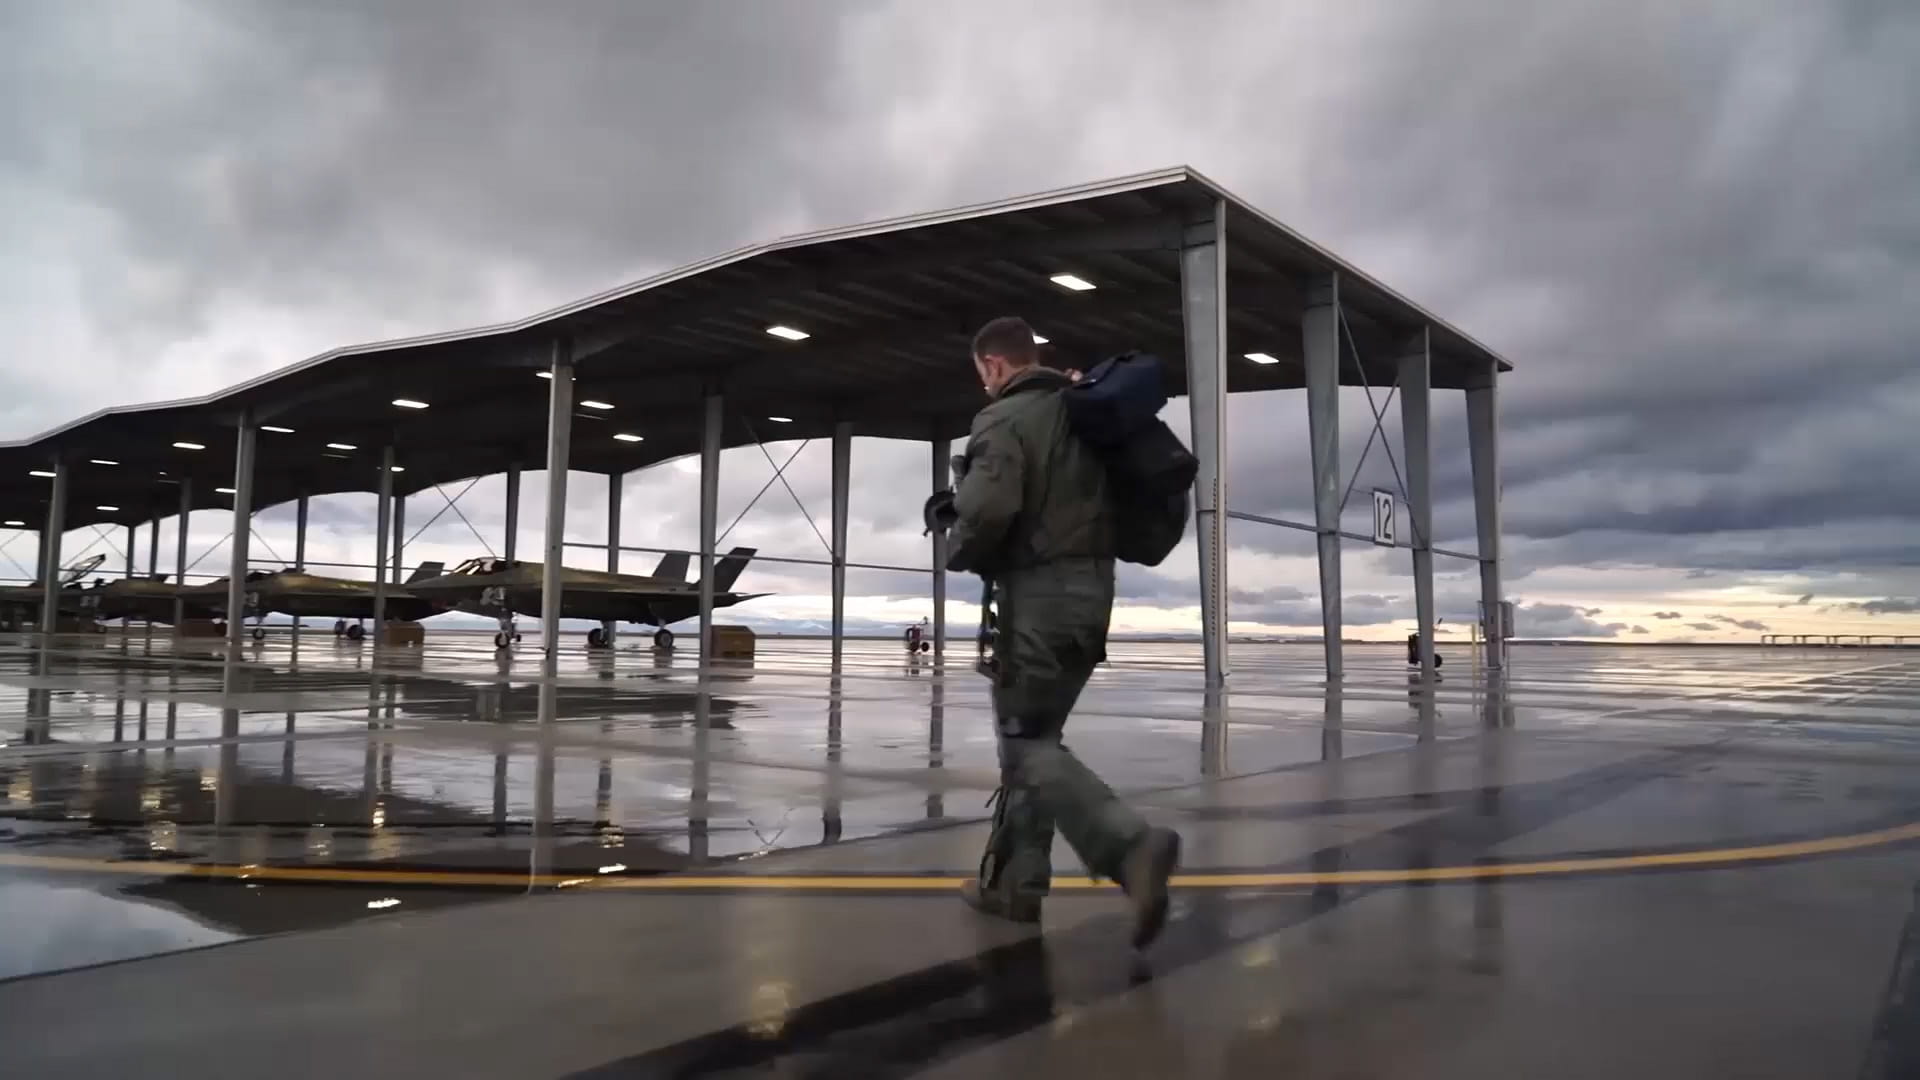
(987, 498)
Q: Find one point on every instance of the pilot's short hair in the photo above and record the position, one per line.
(1008, 336)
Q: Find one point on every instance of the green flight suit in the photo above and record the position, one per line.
(1033, 516)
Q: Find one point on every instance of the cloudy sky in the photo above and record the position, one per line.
(1693, 227)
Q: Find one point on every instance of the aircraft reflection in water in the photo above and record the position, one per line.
(497, 588)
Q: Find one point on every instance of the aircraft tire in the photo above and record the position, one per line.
(259, 633)
(926, 646)
(501, 641)
(663, 639)
(340, 628)
(596, 638)
(356, 632)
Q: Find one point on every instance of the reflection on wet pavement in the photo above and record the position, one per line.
(425, 783)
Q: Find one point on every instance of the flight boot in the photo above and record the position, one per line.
(1013, 907)
(1143, 877)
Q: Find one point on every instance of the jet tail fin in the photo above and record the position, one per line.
(673, 566)
(728, 570)
(427, 570)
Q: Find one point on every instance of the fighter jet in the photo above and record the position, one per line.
(502, 589)
(20, 604)
(296, 592)
(148, 599)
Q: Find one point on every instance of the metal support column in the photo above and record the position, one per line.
(1320, 348)
(1203, 280)
(50, 544)
(842, 469)
(399, 539)
(942, 481)
(510, 544)
(382, 530)
(710, 435)
(616, 488)
(153, 547)
(242, 534)
(1416, 377)
(559, 442)
(299, 548)
(126, 621)
(180, 553)
(300, 535)
(1483, 418)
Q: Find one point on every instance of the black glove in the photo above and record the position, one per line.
(939, 512)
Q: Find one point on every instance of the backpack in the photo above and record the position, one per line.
(1115, 409)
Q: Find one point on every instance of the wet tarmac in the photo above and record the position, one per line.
(1663, 862)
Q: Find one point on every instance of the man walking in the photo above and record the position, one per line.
(1034, 517)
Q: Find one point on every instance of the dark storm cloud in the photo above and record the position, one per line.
(1543, 620)
(1713, 232)
(287, 149)
(1892, 605)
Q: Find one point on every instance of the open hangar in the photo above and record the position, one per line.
(858, 331)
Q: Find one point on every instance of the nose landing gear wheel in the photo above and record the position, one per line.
(259, 633)
(356, 632)
(596, 638)
(663, 639)
(501, 640)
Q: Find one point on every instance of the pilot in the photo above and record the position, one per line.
(1031, 515)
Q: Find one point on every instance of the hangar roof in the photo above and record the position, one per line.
(888, 309)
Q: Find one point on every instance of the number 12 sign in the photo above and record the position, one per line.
(1383, 530)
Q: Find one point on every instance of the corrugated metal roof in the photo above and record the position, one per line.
(889, 308)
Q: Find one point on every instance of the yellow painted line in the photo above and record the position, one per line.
(1708, 857)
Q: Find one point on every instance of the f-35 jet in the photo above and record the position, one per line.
(20, 604)
(502, 589)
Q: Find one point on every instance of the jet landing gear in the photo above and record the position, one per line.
(350, 631)
(596, 638)
(506, 637)
(663, 640)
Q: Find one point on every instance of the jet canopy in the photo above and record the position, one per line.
(486, 564)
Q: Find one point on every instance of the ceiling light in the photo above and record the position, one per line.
(102, 461)
(341, 446)
(788, 333)
(1038, 340)
(543, 374)
(188, 446)
(409, 403)
(781, 419)
(595, 405)
(384, 903)
(398, 468)
(276, 430)
(223, 491)
(40, 472)
(1262, 358)
(624, 437)
(14, 524)
(1070, 281)
(108, 509)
